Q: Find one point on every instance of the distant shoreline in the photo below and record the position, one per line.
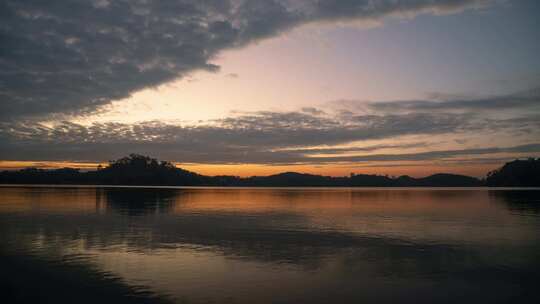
(464, 188)
(139, 170)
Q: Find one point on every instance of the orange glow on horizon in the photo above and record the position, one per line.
(419, 169)
(17, 165)
(415, 169)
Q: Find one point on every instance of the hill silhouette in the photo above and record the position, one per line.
(517, 173)
(142, 170)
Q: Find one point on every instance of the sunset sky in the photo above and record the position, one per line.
(256, 87)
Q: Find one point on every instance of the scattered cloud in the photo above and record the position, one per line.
(436, 155)
(72, 57)
(520, 102)
(523, 101)
(232, 75)
(310, 135)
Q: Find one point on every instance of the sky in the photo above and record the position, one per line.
(256, 87)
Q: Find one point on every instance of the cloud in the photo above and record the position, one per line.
(268, 137)
(523, 102)
(232, 75)
(313, 111)
(71, 57)
(358, 149)
(246, 137)
(435, 155)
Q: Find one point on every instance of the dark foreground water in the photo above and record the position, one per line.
(136, 245)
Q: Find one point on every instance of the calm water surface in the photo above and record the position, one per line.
(88, 244)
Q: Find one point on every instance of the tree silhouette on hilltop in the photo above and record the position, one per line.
(517, 173)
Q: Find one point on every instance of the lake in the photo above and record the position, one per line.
(270, 245)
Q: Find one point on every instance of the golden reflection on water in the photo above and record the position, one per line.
(398, 212)
(269, 244)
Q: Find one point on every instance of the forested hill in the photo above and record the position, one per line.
(142, 170)
(517, 173)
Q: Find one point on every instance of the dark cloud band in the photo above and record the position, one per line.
(70, 57)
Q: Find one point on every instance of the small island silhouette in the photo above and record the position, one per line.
(138, 169)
